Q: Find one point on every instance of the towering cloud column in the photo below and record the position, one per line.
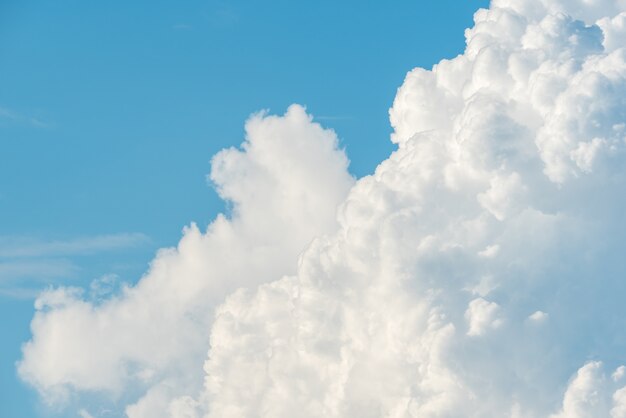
(479, 272)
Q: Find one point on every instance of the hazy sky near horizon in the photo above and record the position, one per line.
(110, 114)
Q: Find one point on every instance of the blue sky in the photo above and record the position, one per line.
(111, 111)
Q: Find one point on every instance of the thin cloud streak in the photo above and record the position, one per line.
(38, 270)
(28, 263)
(12, 116)
(19, 247)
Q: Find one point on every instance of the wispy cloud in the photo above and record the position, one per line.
(38, 269)
(24, 293)
(20, 247)
(9, 115)
(27, 263)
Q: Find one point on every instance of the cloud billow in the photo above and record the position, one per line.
(477, 273)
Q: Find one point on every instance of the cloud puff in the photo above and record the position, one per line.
(284, 185)
(477, 273)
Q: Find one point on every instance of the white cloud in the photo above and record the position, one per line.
(482, 315)
(84, 414)
(491, 192)
(619, 403)
(538, 317)
(285, 184)
(507, 185)
(585, 395)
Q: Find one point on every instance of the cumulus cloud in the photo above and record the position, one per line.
(482, 315)
(478, 272)
(284, 185)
